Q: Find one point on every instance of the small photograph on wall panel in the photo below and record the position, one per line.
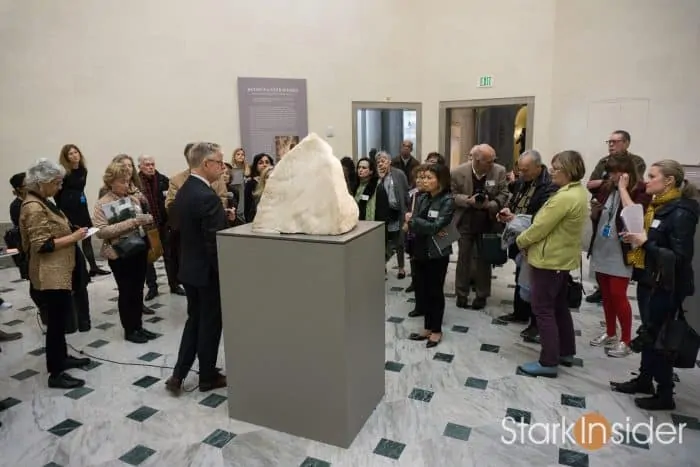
(283, 144)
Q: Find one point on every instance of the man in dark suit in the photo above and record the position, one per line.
(197, 213)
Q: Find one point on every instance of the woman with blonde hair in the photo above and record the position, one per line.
(665, 248)
(239, 163)
(119, 214)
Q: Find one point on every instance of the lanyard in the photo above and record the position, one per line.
(611, 211)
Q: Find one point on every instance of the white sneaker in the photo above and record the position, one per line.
(605, 340)
(620, 350)
(5, 306)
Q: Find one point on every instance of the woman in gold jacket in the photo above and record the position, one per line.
(55, 264)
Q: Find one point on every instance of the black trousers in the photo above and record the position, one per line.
(170, 271)
(174, 254)
(202, 332)
(429, 284)
(655, 365)
(394, 244)
(130, 275)
(521, 309)
(58, 305)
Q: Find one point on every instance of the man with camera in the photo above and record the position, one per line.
(480, 191)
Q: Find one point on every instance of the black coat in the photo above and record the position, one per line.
(673, 233)
(71, 198)
(197, 213)
(162, 189)
(430, 216)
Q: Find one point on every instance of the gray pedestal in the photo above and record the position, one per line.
(303, 324)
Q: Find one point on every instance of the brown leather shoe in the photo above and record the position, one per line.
(9, 336)
(219, 381)
(174, 385)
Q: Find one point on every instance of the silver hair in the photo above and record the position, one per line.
(382, 154)
(534, 153)
(42, 172)
(201, 151)
(144, 157)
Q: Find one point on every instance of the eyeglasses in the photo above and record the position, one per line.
(610, 142)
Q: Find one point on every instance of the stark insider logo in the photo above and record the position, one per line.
(592, 431)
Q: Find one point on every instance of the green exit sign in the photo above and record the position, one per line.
(485, 81)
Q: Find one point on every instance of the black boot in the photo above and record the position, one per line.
(595, 297)
(663, 400)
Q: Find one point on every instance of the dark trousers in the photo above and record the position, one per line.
(89, 253)
(22, 263)
(469, 252)
(59, 305)
(554, 321)
(130, 275)
(394, 244)
(171, 273)
(522, 310)
(655, 365)
(429, 284)
(174, 255)
(202, 332)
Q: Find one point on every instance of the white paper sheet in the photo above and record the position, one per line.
(633, 217)
(91, 231)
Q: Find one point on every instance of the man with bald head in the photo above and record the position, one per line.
(480, 191)
(531, 190)
(406, 162)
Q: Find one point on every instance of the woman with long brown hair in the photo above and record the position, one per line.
(72, 201)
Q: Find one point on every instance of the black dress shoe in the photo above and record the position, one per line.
(532, 338)
(65, 381)
(634, 386)
(149, 335)
(529, 331)
(84, 326)
(99, 272)
(513, 318)
(595, 297)
(147, 311)
(462, 302)
(219, 381)
(415, 313)
(136, 337)
(74, 362)
(478, 303)
(151, 294)
(655, 402)
(178, 291)
(431, 343)
(414, 336)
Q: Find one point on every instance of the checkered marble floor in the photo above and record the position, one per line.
(443, 406)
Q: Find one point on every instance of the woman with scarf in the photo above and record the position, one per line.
(369, 194)
(669, 233)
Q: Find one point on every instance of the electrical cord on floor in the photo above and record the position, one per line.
(106, 360)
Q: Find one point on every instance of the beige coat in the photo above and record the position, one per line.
(110, 233)
(463, 187)
(178, 180)
(51, 270)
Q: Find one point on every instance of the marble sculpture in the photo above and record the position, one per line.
(307, 194)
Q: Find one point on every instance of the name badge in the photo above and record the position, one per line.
(364, 197)
(490, 183)
(83, 198)
(432, 214)
(655, 224)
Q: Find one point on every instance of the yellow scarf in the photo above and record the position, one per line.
(635, 257)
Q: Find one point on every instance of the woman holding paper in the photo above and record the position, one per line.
(430, 223)
(611, 259)
(666, 249)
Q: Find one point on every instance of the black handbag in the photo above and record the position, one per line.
(130, 245)
(574, 290)
(491, 251)
(678, 341)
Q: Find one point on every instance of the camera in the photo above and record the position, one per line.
(480, 196)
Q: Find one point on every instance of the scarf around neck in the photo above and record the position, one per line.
(636, 256)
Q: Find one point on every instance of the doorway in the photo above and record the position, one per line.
(505, 124)
(384, 126)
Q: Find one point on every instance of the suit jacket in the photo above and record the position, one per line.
(49, 268)
(197, 213)
(177, 181)
(496, 188)
(408, 168)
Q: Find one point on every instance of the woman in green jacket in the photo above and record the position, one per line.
(552, 245)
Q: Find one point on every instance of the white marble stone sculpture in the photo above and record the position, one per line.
(307, 194)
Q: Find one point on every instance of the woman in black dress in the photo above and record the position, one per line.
(72, 201)
(250, 203)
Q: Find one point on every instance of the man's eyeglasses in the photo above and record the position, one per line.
(611, 142)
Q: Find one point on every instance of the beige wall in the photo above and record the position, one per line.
(148, 76)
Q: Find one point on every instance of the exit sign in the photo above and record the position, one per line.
(485, 81)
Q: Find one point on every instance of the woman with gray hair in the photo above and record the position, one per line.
(396, 186)
(56, 265)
